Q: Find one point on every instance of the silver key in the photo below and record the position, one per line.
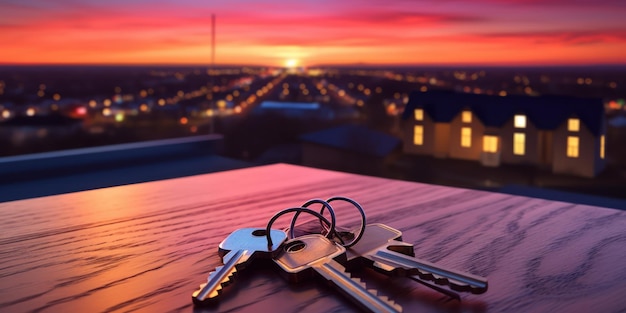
(305, 255)
(237, 250)
(381, 248)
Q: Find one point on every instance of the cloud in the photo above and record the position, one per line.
(538, 3)
(571, 38)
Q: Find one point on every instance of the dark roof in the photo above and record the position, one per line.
(545, 112)
(354, 138)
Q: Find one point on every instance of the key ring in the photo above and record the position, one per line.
(298, 210)
(324, 204)
(363, 220)
(324, 222)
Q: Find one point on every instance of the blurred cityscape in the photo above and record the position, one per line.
(266, 114)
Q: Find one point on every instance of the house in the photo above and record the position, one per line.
(351, 148)
(565, 134)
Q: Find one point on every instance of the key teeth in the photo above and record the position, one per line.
(225, 282)
(375, 292)
(360, 282)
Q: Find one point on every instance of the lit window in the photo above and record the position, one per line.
(418, 135)
(602, 146)
(466, 117)
(519, 143)
(490, 144)
(520, 121)
(573, 124)
(419, 114)
(572, 146)
(466, 137)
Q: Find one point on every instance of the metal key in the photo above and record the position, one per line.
(237, 250)
(381, 247)
(305, 255)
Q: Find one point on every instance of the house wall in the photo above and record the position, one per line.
(600, 163)
(428, 145)
(467, 153)
(532, 151)
(441, 138)
(585, 164)
(546, 147)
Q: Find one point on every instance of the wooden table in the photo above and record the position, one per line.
(146, 247)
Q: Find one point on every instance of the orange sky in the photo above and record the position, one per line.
(504, 32)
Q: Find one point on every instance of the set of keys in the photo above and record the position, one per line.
(327, 254)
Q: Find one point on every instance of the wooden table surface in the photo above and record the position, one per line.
(146, 247)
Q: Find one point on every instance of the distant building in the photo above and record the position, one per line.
(565, 134)
(24, 129)
(350, 148)
(306, 110)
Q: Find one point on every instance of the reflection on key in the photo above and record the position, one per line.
(237, 250)
(305, 255)
(380, 248)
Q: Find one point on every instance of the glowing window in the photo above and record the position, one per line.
(519, 143)
(520, 121)
(419, 114)
(466, 117)
(602, 146)
(573, 124)
(572, 146)
(490, 144)
(466, 137)
(418, 135)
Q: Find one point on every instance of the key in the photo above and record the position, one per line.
(381, 248)
(237, 250)
(301, 257)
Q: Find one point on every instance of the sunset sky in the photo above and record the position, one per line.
(312, 32)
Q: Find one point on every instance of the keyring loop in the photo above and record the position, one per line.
(298, 209)
(324, 204)
(361, 211)
(325, 225)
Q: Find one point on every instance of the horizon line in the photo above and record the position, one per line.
(345, 65)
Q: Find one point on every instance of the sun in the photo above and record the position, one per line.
(291, 63)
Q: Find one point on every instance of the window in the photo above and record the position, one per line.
(490, 144)
(419, 114)
(418, 135)
(572, 146)
(466, 137)
(466, 117)
(519, 143)
(519, 121)
(573, 124)
(602, 147)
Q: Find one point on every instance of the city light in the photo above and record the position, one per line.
(81, 111)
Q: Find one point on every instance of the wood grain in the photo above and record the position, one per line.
(146, 247)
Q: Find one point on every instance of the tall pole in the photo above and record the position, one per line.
(212, 122)
(212, 40)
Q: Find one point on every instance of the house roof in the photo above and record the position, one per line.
(354, 138)
(545, 112)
